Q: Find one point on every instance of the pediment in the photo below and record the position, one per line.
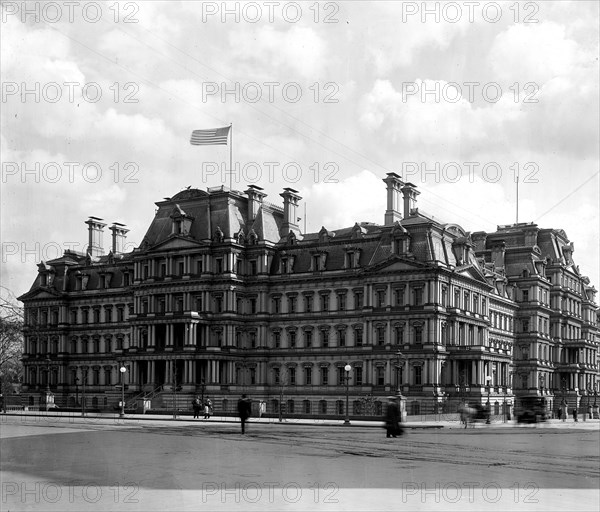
(40, 293)
(472, 272)
(176, 243)
(398, 264)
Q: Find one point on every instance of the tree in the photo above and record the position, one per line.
(11, 342)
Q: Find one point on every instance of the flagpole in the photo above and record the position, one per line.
(517, 221)
(230, 154)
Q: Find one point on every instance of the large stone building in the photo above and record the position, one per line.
(226, 296)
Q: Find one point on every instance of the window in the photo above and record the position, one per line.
(199, 267)
(381, 335)
(276, 375)
(198, 301)
(292, 376)
(444, 296)
(179, 304)
(525, 295)
(219, 265)
(358, 336)
(324, 376)
(324, 338)
(218, 304)
(308, 375)
(341, 298)
(292, 339)
(399, 296)
(526, 325)
(276, 304)
(306, 406)
(277, 339)
(163, 270)
(292, 304)
(358, 299)
(308, 303)
(308, 339)
(380, 375)
(253, 267)
(252, 339)
(418, 296)
(466, 305)
(73, 316)
(418, 335)
(253, 305)
(342, 337)
(96, 315)
(238, 266)
(358, 376)
(380, 298)
(398, 335)
(341, 376)
(324, 302)
(418, 373)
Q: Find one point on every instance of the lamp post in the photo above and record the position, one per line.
(399, 365)
(175, 389)
(76, 390)
(84, 371)
(488, 380)
(541, 381)
(123, 370)
(347, 368)
(563, 403)
(47, 392)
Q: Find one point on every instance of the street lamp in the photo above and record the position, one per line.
(563, 403)
(488, 380)
(399, 366)
(84, 371)
(76, 391)
(48, 393)
(123, 370)
(347, 368)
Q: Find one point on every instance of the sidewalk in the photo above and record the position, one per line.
(412, 422)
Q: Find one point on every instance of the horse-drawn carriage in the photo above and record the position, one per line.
(470, 414)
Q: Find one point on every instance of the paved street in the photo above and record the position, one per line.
(74, 463)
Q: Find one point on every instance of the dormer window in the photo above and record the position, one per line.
(181, 221)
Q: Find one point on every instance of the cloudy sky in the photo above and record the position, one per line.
(99, 101)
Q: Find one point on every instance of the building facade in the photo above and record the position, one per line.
(226, 296)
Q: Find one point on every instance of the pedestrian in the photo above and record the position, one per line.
(558, 413)
(196, 407)
(393, 419)
(575, 413)
(244, 411)
(2, 404)
(207, 409)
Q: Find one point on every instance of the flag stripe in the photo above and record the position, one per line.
(213, 136)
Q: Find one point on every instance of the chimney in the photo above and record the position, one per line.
(394, 184)
(410, 193)
(119, 235)
(290, 203)
(255, 199)
(498, 251)
(95, 228)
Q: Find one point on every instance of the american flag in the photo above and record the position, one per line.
(210, 137)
